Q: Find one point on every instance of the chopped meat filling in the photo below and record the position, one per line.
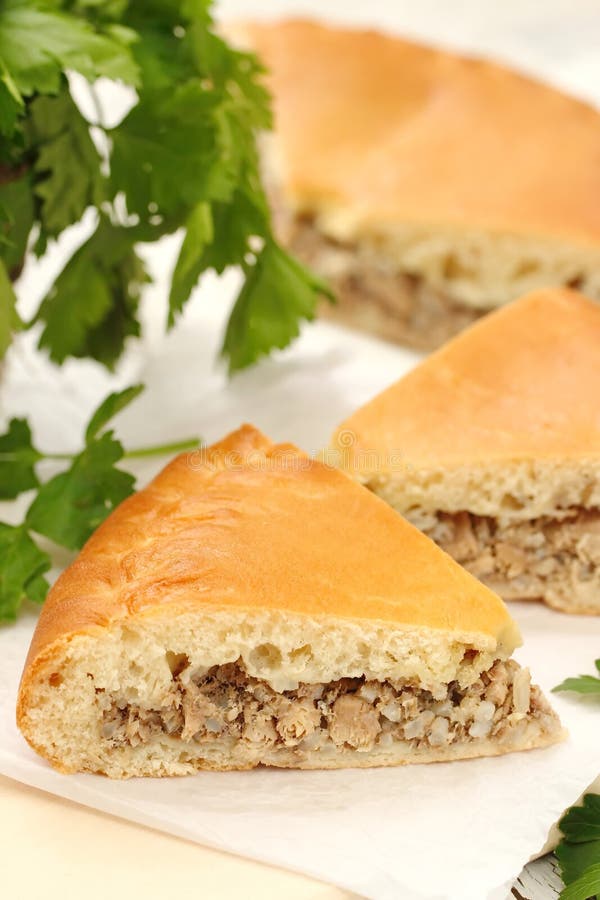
(545, 558)
(225, 702)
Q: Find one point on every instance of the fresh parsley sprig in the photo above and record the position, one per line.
(583, 684)
(184, 158)
(578, 853)
(67, 508)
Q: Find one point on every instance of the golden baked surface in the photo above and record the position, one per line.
(382, 129)
(236, 527)
(521, 384)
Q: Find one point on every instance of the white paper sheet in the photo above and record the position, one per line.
(459, 831)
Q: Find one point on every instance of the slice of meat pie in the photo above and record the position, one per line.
(253, 606)
(427, 187)
(492, 447)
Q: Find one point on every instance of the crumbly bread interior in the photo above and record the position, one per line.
(162, 695)
(517, 491)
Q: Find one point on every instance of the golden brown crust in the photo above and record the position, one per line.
(249, 525)
(521, 384)
(383, 130)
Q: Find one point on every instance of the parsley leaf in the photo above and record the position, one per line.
(18, 457)
(67, 164)
(166, 151)
(217, 236)
(191, 259)
(582, 823)
(162, 57)
(70, 506)
(9, 320)
(109, 408)
(39, 44)
(574, 859)
(587, 885)
(277, 294)
(234, 224)
(22, 571)
(11, 102)
(578, 853)
(17, 202)
(584, 684)
(91, 308)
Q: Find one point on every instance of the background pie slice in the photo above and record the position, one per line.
(492, 447)
(426, 186)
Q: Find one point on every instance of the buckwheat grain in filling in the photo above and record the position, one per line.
(225, 702)
(552, 558)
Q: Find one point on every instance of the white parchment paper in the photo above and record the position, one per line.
(458, 831)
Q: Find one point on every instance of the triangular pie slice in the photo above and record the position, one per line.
(492, 447)
(253, 606)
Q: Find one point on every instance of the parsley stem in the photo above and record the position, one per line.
(163, 449)
(136, 453)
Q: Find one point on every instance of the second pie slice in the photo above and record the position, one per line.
(253, 606)
(492, 447)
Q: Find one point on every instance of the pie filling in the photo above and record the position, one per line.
(555, 558)
(228, 705)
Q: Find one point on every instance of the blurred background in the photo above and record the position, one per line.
(556, 39)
